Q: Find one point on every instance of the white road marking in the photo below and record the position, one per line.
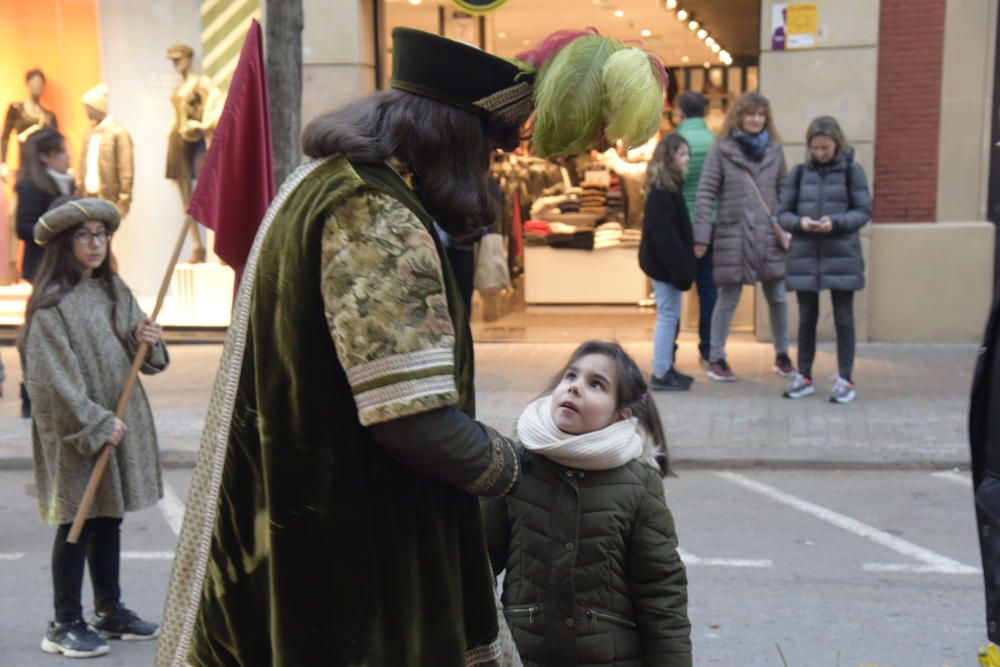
(958, 478)
(692, 560)
(939, 564)
(910, 569)
(148, 555)
(172, 508)
(11, 556)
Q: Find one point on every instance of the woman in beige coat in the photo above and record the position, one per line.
(743, 175)
(83, 329)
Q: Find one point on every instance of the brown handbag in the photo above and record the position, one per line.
(783, 237)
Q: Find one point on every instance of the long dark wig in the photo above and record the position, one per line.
(631, 393)
(60, 271)
(43, 142)
(447, 149)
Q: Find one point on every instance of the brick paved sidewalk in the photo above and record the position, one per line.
(911, 408)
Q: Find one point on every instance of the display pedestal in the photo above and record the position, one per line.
(562, 276)
(201, 295)
(13, 300)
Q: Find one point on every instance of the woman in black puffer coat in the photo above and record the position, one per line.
(824, 203)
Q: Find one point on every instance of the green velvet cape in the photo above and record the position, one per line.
(322, 551)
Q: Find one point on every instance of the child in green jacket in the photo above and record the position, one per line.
(592, 571)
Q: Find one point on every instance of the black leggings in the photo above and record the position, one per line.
(843, 318)
(100, 546)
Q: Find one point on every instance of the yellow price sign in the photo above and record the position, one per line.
(803, 24)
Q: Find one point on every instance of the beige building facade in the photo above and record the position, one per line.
(930, 280)
(927, 281)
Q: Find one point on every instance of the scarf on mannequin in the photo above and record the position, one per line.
(64, 181)
(609, 448)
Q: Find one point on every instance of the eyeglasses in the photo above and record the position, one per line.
(86, 237)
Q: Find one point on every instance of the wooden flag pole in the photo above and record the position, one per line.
(140, 357)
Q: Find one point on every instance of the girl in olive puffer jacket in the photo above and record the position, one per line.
(593, 576)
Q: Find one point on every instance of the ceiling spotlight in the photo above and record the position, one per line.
(619, 13)
(694, 25)
(646, 33)
(525, 42)
(709, 41)
(683, 14)
(707, 64)
(671, 4)
(702, 34)
(502, 35)
(725, 55)
(716, 48)
(685, 59)
(415, 2)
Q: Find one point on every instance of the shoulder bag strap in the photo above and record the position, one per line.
(757, 192)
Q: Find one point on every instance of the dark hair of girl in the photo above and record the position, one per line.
(32, 73)
(32, 170)
(60, 271)
(447, 149)
(663, 171)
(631, 393)
(826, 126)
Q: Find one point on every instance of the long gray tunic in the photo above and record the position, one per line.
(76, 366)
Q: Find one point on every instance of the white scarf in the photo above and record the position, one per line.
(609, 448)
(64, 181)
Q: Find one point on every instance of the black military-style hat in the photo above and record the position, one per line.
(460, 75)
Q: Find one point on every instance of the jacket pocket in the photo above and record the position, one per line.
(596, 615)
(529, 611)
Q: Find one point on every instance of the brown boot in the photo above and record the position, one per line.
(197, 256)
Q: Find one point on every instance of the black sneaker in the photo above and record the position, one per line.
(125, 624)
(681, 376)
(74, 640)
(671, 381)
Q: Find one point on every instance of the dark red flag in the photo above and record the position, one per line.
(236, 183)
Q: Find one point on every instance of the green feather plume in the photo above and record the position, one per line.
(633, 97)
(569, 94)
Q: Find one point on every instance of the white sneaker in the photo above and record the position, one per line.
(799, 387)
(843, 392)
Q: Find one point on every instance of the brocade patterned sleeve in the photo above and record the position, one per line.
(384, 297)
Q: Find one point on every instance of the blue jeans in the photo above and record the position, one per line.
(708, 294)
(668, 318)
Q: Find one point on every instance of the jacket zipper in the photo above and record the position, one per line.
(597, 615)
(529, 610)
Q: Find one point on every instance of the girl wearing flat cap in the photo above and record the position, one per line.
(82, 332)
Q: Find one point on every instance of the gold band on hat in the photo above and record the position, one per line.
(46, 225)
(513, 104)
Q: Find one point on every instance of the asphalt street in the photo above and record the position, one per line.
(824, 568)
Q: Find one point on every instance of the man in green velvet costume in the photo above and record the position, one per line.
(338, 524)
(332, 517)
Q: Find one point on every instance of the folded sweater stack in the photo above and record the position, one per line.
(593, 197)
